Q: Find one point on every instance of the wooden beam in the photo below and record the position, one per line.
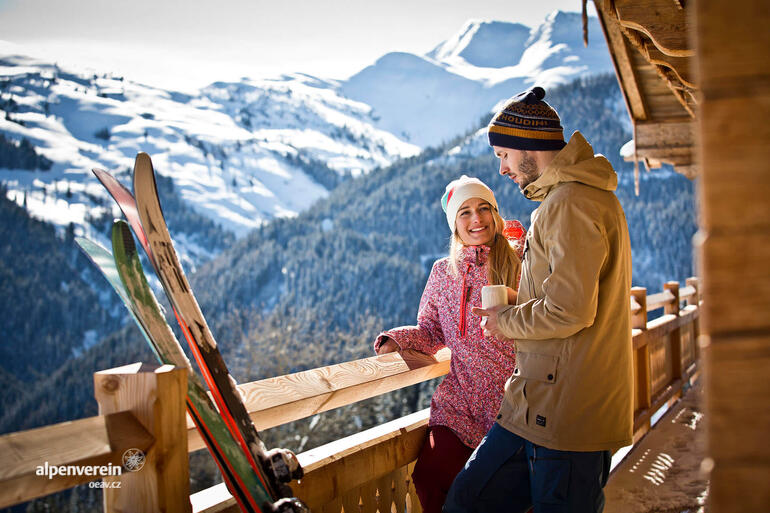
(661, 299)
(156, 396)
(626, 73)
(94, 441)
(739, 421)
(675, 132)
(660, 20)
(275, 401)
(736, 293)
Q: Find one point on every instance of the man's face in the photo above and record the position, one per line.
(518, 165)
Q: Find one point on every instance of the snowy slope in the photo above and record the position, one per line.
(246, 152)
(239, 153)
(439, 95)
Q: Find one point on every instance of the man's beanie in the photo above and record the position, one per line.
(527, 123)
(461, 190)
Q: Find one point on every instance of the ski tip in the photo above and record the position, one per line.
(142, 159)
(122, 233)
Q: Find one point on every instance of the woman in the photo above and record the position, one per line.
(464, 406)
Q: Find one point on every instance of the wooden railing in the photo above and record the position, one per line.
(368, 472)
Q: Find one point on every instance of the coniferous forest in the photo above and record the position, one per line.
(297, 293)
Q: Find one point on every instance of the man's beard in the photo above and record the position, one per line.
(528, 170)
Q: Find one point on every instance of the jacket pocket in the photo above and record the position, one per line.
(540, 367)
(539, 372)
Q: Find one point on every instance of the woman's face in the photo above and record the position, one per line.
(475, 223)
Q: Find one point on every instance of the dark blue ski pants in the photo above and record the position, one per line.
(507, 473)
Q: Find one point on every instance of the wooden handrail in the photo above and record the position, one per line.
(659, 300)
(95, 441)
(687, 292)
(275, 401)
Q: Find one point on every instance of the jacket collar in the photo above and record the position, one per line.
(474, 255)
(576, 162)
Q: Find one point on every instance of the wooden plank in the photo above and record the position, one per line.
(732, 41)
(275, 401)
(346, 464)
(660, 20)
(736, 284)
(659, 300)
(739, 402)
(687, 292)
(156, 396)
(675, 132)
(619, 51)
(737, 200)
(94, 441)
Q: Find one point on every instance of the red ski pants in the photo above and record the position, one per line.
(441, 458)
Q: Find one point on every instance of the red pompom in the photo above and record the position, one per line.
(513, 230)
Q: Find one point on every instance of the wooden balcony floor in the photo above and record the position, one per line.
(663, 473)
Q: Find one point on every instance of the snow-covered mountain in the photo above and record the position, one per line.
(240, 153)
(246, 152)
(434, 97)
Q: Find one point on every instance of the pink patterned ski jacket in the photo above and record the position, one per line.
(468, 398)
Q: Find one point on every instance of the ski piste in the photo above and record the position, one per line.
(125, 275)
(278, 466)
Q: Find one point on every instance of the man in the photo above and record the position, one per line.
(570, 399)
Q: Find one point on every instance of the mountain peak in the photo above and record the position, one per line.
(485, 44)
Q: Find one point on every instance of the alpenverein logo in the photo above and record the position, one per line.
(133, 460)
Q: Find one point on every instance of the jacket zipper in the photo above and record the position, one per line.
(463, 302)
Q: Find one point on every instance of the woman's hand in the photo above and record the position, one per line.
(389, 346)
(512, 296)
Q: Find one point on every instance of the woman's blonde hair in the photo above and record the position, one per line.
(504, 262)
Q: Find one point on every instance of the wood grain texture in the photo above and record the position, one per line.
(156, 397)
(98, 441)
(625, 71)
(739, 421)
(660, 20)
(736, 284)
(350, 463)
(275, 401)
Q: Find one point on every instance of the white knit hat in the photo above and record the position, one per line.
(461, 190)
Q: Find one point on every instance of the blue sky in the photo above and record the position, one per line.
(177, 43)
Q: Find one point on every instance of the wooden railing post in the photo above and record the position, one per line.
(156, 397)
(675, 338)
(694, 300)
(643, 383)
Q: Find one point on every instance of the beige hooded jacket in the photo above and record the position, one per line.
(572, 388)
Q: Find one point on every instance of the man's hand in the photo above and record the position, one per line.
(389, 346)
(489, 321)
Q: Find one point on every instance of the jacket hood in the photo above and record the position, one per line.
(576, 162)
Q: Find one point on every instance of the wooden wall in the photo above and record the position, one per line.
(733, 65)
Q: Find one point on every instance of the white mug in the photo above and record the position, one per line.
(494, 295)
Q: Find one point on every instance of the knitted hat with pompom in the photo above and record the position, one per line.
(527, 123)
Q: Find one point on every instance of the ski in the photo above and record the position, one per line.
(125, 275)
(274, 468)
